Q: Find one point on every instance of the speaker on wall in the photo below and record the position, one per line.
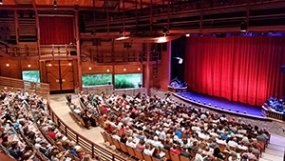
(73, 53)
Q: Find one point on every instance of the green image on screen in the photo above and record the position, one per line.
(96, 79)
(128, 80)
(31, 75)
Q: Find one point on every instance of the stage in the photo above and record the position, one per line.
(223, 105)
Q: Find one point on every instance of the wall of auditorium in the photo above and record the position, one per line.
(13, 68)
(162, 78)
(93, 68)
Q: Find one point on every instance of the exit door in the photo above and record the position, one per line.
(60, 75)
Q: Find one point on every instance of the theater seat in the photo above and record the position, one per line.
(147, 157)
(174, 157)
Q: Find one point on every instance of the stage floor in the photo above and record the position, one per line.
(222, 105)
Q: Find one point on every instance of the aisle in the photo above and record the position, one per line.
(59, 106)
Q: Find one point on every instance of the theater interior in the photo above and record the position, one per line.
(142, 80)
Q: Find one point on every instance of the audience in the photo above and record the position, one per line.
(150, 124)
(24, 122)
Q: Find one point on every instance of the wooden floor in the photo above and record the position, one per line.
(274, 151)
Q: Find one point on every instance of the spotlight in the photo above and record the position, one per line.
(7, 65)
(29, 65)
(243, 26)
(108, 70)
(90, 68)
(1, 2)
(124, 69)
(69, 64)
(187, 35)
(139, 69)
(162, 39)
(54, 3)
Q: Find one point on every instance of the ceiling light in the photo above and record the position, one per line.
(90, 68)
(29, 65)
(139, 69)
(124, 69)
(243, 26)
(108, 70)
(49, 65)
(69, 64)
(7, 65)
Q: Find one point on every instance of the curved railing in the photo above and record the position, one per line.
(43, 90)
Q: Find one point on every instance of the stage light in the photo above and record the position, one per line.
(180, 60)
(187, 35)
(122, 38)
(1, 2)
(243, 26)
(29, 65)
(7, 65)
(161, 39)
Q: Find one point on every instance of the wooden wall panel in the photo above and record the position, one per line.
(128, 68)
(88, 68)
(30, 65)
(10, 68)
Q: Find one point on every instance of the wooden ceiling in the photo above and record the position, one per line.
(122, 4)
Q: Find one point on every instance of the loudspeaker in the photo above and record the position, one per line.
(282, 68)
(73, 53)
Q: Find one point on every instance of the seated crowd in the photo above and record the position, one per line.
(26, 128)
(85, 116)
(155, 126)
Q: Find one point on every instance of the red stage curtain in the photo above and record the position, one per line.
(242, 69)
(56, 30)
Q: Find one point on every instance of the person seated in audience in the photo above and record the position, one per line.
(158, 153)
(148, 149)
(250, 154)
(51, 133)
(140, 146)
(175, 149)
(123, 138)
(217, 154)
(15, 150)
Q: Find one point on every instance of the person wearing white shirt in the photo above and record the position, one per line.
(233, 143)
(148, 150)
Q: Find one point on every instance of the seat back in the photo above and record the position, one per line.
(131, 151)
(167, 153)
(183, 158)
(174, 157)
(117, 144)
(139, 155)
(123, 147)
(147, 157)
